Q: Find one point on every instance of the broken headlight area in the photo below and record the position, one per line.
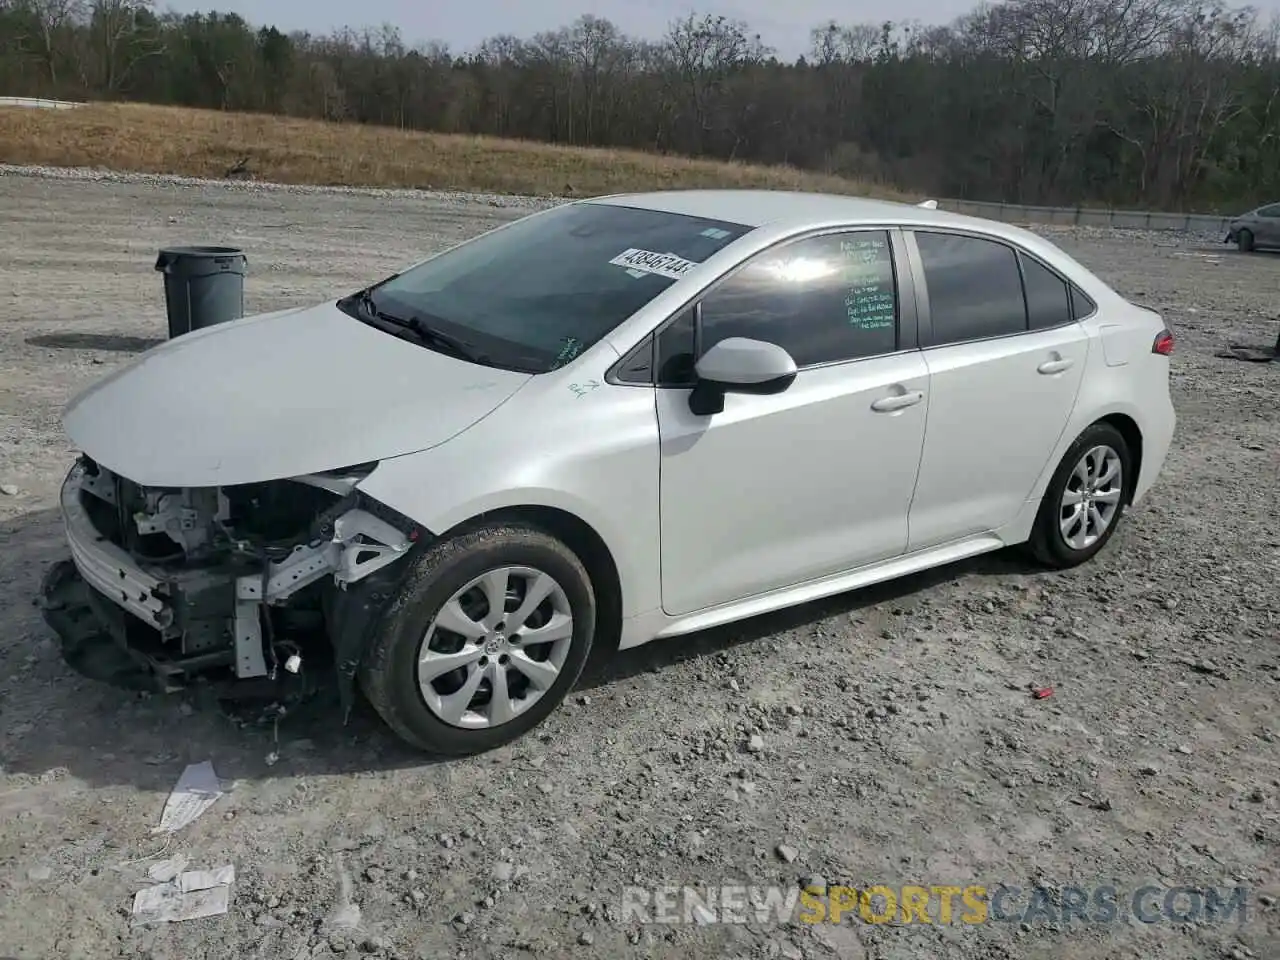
(239, 585)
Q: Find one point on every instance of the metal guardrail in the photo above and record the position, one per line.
(1088, 217)
(39, 103)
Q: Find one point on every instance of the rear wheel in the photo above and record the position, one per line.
(1085, 499)
(1244, 240)
(488, 635)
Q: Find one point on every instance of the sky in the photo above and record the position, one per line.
(782, 24)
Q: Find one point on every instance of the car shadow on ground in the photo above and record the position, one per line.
(54, 718)
(116, 343)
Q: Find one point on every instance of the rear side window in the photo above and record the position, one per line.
(1048, 299)
(975, 288)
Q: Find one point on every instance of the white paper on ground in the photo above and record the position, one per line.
(196, 791)
(193, 895)
(165, 870)
(194, 880)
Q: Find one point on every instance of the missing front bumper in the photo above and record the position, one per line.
(101, 641)
(176, 621)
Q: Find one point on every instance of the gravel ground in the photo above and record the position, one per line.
(883, 737)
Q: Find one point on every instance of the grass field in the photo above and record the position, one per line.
(207, 143)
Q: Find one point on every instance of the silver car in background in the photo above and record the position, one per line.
(1256, 229)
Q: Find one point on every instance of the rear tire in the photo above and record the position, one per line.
(1085, 499)
(1244, 241)
(457, 666)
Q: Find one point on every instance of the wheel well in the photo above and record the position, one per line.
(580, 537)
(1133, 437)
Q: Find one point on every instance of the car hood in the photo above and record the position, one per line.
(278, 395)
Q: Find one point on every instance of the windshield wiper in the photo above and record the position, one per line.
(422, 330)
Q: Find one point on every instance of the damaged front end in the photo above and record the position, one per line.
(239, 586)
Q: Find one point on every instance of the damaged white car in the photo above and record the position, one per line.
(616, 420)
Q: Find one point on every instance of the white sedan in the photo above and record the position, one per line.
(620, 419)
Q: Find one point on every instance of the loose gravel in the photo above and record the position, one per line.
(887, 736)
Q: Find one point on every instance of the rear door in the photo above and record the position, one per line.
(1005, 358)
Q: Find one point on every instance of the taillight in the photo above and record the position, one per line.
(1163, 344)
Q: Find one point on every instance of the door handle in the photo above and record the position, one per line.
(899, 402)
(1050, 367)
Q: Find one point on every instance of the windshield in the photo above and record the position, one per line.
(534, 295)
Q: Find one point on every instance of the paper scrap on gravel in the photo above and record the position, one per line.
(197, 790)
(165, 870)
(190, 896)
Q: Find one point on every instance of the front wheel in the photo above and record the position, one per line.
(1244, 241)
(488, 635)
(1085, 499)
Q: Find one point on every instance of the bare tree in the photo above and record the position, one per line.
(120, 39)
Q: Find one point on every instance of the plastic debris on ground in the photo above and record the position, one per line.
(346, 912)
(197, 790)
(190, 895)
(1249, 354)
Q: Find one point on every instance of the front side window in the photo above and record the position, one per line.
(975, 288)
(822, 299)
(1271, 211)
(538, 293)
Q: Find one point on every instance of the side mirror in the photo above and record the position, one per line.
(739, 365)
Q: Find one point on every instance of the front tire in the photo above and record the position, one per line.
(1244, 241)
(1085, 499)
(487, 636)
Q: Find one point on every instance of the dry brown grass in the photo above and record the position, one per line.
(206, 143)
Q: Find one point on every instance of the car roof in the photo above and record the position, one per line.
(787, 208)
(793, 212)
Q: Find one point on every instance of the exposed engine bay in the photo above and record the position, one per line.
(239, 585)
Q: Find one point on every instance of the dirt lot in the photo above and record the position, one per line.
(898, 742)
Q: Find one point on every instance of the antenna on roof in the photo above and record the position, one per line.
(928, 204)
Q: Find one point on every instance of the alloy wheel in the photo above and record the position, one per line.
(1091, 498)
(495, 647)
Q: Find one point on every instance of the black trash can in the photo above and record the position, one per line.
(203, 286)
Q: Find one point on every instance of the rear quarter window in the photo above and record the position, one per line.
(1048, 296)
(1082, 304)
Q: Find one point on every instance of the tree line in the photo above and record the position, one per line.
(1166, 104)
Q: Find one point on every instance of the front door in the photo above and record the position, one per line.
(777, 490)
(1005, 360)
